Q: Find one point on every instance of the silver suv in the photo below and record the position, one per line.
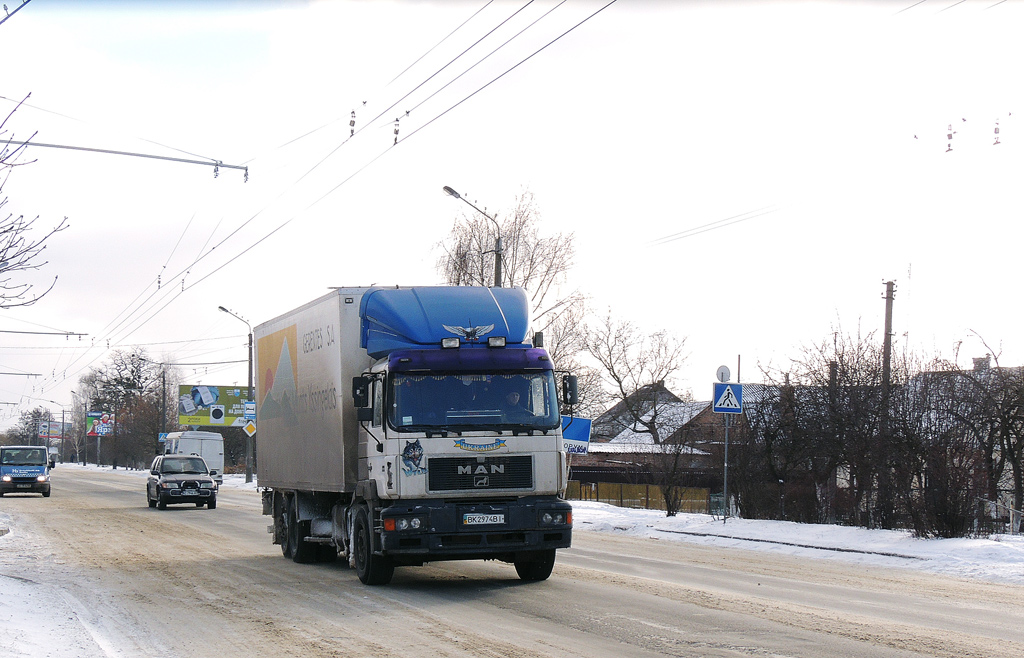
(180, 479)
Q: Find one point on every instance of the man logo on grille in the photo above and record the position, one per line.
(481, 481)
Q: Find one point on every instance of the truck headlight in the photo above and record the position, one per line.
(403, 523)
(6, 478)
(42, 478)
(555, 517)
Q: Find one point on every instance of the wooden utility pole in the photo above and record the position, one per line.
(884, 504)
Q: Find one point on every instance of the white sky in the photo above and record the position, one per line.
(649, 120)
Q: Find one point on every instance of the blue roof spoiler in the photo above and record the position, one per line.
(418, 318)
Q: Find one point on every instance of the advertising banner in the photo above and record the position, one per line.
(215, 406)
(99, 423)
(51, 429)
(576, 435)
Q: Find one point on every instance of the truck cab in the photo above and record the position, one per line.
(24, 469)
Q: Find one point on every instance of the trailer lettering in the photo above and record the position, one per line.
(312, 341)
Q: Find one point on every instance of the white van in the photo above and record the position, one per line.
(208, 445)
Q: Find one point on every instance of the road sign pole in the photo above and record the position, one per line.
(725, 472)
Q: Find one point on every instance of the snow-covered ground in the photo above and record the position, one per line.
(30, 616)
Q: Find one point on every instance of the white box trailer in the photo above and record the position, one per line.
(208, 445)
(383, 432)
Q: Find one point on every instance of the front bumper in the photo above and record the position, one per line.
(24, 486)
(473, 530)
(172, 496)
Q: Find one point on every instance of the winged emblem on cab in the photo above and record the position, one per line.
(470, 333)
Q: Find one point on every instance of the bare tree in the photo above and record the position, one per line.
(635, 367)
(537, 263)
(129, 385)
(18, 253)
(995, 415)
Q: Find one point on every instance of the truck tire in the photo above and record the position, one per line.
(287, 548)
(371, 569)
(535, 565)
(302, 552)
(46, 494)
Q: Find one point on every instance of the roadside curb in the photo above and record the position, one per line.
(785, 543)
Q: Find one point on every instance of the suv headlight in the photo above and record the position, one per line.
(169, 485)
(207, 485)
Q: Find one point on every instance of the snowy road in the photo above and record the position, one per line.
(99, 574)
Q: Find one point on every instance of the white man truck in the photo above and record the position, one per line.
(400, 426)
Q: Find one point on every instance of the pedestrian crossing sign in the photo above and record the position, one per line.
(728, 399)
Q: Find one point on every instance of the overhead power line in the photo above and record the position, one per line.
(158, 306)
(42, 333)
(216, 164)
(711, 226)
(12, 13)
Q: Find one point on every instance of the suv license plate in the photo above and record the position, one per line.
(482, 519)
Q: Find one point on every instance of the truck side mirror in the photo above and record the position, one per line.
(364, 414)
(570, 390)
(361, 391)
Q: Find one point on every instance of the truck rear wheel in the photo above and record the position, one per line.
(287, 548)
(371, 569)
(302, 552)
(536, 565)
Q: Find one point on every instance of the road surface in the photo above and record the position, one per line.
(104, 575)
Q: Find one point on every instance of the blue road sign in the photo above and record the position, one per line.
(728, 399)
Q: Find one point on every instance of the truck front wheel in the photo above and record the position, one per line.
(536, 565)
(371, 569)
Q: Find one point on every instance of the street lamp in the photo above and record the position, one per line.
(497, 242)
(248, 439)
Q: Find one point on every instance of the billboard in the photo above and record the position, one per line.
(52, 429)
(214, 406)
(99, 423)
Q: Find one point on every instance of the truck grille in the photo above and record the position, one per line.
(475, 473)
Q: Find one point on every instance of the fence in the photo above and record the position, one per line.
(637, 496)
(1013, 517)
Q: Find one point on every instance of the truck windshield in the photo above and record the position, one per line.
(473, 401)
(23, 457)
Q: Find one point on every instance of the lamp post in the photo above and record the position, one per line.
(497, 241)
(248, 439)
(63, 408)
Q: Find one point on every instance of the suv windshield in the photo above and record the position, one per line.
(473, 401)
(188, 465)
(23, 456)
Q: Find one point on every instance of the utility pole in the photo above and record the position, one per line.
(885, 499)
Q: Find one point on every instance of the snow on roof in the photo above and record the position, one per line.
(642, 448)
(671, 417)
